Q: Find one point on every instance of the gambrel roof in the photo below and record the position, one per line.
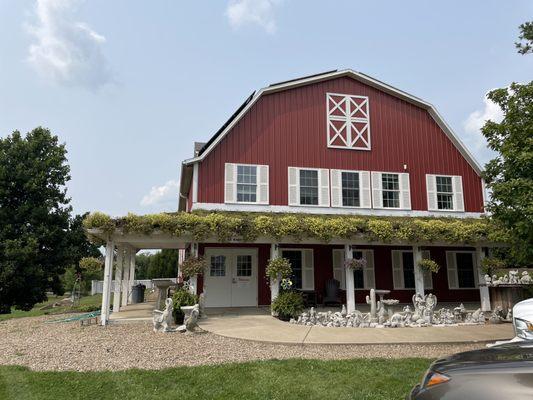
(368, 80)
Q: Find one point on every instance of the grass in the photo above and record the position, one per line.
(362, 379)
(36, 311)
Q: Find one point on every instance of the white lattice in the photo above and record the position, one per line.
(348, 121)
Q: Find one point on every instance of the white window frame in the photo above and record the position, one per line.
(333, 133)
(450, 270)
(323, 187)
(306, 285)
(365, 194)
(377, 190)
(262, 186)
(339, 271)
(457, 194)
(428, 276)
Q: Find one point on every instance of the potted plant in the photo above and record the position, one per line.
(289, 304)
(428, 265)
(192, 266)
(355, 263)
(278, 268)
(181, 298)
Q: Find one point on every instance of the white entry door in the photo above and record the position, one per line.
(231, 277)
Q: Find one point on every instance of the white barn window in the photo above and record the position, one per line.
(348, 121)
(246, 183)
(445, 192)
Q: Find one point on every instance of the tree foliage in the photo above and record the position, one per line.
(38, 239)
(509, 176)
(525, 45)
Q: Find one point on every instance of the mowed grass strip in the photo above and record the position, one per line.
(362, 379)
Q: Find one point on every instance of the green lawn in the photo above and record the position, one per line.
(36, 311)
(360, 379)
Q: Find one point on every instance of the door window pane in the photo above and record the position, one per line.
(218, 266)
(444, 192)
(358, 274)
(390, 190)
(295, 258)
(247, 183)
(465, 270)
(244, 265)
(308, 187)
(350, 189)
(408, 270)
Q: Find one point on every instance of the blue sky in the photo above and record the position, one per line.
(130, 84)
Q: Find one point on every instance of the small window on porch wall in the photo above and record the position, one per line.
(348, 121)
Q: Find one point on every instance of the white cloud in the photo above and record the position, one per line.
(473, 124)
(252, 12)
(166, 194)
(66, 51)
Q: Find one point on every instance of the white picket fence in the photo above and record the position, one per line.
(98, 286)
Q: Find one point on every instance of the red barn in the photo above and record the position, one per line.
(339, 142)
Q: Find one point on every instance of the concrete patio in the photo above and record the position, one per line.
(256, 324)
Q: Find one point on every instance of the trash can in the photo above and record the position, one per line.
(137, 293)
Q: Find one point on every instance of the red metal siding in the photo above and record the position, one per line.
(289, 128)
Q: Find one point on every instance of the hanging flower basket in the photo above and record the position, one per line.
(355, 263)
(279, 267)
(428, 265)
(192, 266)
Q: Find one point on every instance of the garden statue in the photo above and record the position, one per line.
(343, 311)
(525, 279)
(513, 277)
(373, 306)
(201, 304)
(191, 322)
(162, 320)
(488, 279)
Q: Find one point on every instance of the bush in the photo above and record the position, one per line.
(288, 305)
(182, 297)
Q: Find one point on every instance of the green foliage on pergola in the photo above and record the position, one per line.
(228, 226)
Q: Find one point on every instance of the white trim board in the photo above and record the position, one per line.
(361, 78)
(311, 209)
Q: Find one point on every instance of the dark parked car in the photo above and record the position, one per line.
(496, 373)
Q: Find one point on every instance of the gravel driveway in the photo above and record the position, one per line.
(68, 346)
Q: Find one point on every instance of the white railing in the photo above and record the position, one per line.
(98, 286)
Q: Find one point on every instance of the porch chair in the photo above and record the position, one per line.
(332, 292)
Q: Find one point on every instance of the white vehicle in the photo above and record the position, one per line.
(522, 323)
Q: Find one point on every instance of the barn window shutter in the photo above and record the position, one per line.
(477, 266)
(364, 189)
(431, 187)
(308, 270)
(377, 197)
(451, 266)
(370, 281)
(262, 184)
(230, 183)
(294, 186)
(339, 272)
(428, 276)
(397, 269)
(405, 191)
(323, 187)
(336, 188)
(458, 202)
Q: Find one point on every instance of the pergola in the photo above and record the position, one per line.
(127, 244)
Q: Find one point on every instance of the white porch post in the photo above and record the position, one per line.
(118, 278)
(193, 280)
(274, 282)
(125, 277)
(484, 294)
(419, 274)
(350, 283)
(109, 250)
(131, 276)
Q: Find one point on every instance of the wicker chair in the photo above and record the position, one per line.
(332, 292)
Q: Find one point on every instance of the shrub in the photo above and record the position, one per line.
(288, 304)
(279, 266)
(426, 264)
(182, 297)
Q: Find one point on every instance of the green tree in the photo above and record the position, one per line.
(142, 262)
(526, 38)
(163, 264)
(509, 176)
(34, 218)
